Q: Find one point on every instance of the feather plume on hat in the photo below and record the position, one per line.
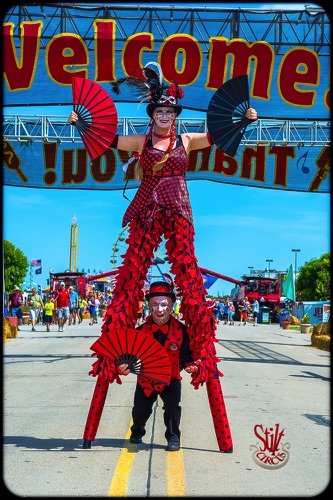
(152, 89)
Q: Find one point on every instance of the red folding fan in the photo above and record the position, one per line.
(226, 114)
(98, 119)
(142, 353)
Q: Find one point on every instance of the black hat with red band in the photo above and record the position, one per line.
(161, 288)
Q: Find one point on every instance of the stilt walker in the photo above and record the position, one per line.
(161, 208)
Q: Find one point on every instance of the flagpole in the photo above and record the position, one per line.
(30, 275)
(295, 251)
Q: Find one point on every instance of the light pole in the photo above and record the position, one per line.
(269, 266)
(250, 267)
(295, 250)
(50, 273)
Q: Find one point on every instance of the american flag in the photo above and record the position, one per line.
(35, 263)
(113, 280)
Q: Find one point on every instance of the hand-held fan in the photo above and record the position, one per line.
(98, 119)
(142, 353)
(226, 114)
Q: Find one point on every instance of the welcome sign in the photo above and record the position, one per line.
(287, 63)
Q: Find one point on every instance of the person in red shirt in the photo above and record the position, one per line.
(15, 301)
(64, 303)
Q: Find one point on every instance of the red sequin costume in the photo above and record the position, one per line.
(161, 207)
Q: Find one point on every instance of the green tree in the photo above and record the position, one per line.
(16, 266)
(314, 279)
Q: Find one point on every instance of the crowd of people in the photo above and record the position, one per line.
(59, 308)
(224, 310)
(66, 306)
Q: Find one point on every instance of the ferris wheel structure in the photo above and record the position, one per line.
(160, 262)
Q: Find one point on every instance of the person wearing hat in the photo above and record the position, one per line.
(64, 303)
(173, 336)
(161, 207)
(15, 301)
(166, 330)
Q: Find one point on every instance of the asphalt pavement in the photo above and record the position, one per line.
(275, 384)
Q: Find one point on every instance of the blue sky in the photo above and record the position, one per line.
(235, 226)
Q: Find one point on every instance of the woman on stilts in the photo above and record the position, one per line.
(161, 208)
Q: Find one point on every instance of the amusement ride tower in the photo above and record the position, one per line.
(73, 244)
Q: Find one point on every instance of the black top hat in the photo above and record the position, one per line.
(161, 288)
(153, 89)
(166, 101)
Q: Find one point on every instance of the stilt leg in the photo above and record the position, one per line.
(122, 312)
(198, 318)
(96, 409)
(219, 414)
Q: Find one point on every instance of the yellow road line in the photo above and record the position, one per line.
(175, 474)
(118, 486)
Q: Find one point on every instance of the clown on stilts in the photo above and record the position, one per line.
(161, 208)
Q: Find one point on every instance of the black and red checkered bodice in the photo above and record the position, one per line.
(164, 190)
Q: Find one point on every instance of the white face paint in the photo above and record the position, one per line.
(161, 308)
(164, 117)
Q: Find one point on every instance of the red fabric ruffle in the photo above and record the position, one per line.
(143, 241)
(199, 319)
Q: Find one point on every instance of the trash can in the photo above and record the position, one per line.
(264, 314)
(282, 316)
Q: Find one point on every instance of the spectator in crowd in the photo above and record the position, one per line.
(244, 306)
(14, 303)
(92, 308)
(221, 306)
(109, 297)
(44, 302)
(255, 311)
(213, 303)
(35, 304)
(97, 304)
(176, 307)
(226, 311)
(74, 307)
(55, 310)
(241, 307)
(64, 302)
(232, 313)
(83, 304)
(48, 312)
(139, 320)
(145, 309)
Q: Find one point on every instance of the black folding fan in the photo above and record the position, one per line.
(226, 114)
(98, 119)
(142, 353)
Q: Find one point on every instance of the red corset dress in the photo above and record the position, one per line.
(164, 190)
